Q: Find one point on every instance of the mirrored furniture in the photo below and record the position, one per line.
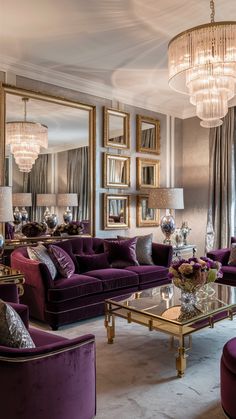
(147, 135)
(116, 128)
(116, 171)
(148, 173)
(146, 217)
(116, 211)
(66, 165)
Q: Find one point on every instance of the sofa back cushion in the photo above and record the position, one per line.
(87, 245)
(92, 262)
(121, 253)
(62, 260)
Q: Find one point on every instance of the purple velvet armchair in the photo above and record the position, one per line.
(54, 380)
(229, 271)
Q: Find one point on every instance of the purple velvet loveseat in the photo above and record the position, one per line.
(66, 300)
(228, 270)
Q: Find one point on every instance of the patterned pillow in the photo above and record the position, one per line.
(121, 253)
(143, 249)
(40, 253)
(13, 332)
(232, 256)
(62, 260)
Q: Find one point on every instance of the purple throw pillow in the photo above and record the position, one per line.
(62, 260)
(121, 253)
(92, 262)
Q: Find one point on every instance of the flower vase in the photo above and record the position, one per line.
(188, 307)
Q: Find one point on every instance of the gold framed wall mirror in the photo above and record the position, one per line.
(148, 173)
(146, 217)
(116, 171)
(116, 211)
(147, 135)
(71, 147)
(116, 126)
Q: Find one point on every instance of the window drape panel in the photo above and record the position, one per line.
(78, 180)
(220, 220)
(36, 182)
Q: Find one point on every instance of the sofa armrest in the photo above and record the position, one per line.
(162, 254)
(221, 255)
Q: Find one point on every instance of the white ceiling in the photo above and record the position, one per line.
(111, 48)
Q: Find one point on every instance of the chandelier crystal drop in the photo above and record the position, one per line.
(25, 139)
(202, 64)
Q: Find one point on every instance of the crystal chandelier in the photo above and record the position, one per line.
(25, 139)
(202, 63)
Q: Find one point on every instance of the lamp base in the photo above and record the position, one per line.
(167, 227)
(67, 216)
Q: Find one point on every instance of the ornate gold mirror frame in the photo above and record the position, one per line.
(147, 134)
(116, 126)
(148, 173)
(116, 211)
(5, 89)
(146, 217)
(116, 171)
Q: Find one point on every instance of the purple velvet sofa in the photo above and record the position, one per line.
(67, 300)
(55, 380)
(229, 271)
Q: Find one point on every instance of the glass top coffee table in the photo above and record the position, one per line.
(161, 309)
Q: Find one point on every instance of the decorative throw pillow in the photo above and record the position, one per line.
(13, 332)
(232, 256)
(121, 253)
(92, 262)
(40, 253)
(143, 249)
(62, 260)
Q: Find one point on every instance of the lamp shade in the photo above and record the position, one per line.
(6, 213)
(166, 198)
(46, 200)
(67, 200)
(21, 199)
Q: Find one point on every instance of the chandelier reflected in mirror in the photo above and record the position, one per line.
(25, 139)
(202, 63)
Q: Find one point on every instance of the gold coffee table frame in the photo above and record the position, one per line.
(12, 276)
(155, 310)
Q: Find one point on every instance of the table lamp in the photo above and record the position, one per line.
(22, 199)
(168, 199)
(67, 200)
(6, 213)
(48, 200)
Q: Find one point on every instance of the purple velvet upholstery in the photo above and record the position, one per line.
(67, 300)
(62, 261)
(9, 292)
(92, 262)
(228, 378)
(229, 271)
(121, 253)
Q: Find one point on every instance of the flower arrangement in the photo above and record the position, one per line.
(70, 229)
(34, 229)
(191, 274)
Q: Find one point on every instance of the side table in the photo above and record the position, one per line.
(12, 276)
(184, 252)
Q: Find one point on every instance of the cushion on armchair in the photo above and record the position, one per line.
(232, 256)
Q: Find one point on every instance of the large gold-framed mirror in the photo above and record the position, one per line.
(116, 171)
(147, 134)
(146, 217)
(116, 128)
(116, 211)
(66, 165)
(148, 173)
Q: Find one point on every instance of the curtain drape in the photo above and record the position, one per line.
(36, 182)
(78, 180)
(220, 220)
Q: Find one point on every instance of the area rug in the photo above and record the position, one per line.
(136, 376)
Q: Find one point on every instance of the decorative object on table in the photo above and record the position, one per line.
(185, 229)
(67, 200)
(22, 200)
(168, 199)
(6, 213)
(48, 200)
(202, 63)
(70, 229)
(25, 139)
(178, 237)
(34, 229)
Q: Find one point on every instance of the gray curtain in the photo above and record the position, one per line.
(36, 182)
(78, 180)
(220, 221)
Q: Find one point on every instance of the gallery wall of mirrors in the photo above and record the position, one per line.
(71, 135)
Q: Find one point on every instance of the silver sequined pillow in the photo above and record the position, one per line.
(40, 253)
(143, 249)
(13, 332)
(232, 256)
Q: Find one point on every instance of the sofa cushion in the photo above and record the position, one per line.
(115, 278)
(92, 262)
(229, 273)
(149, 273)
(121, 253)
(143, 249)
(40, 253)
(75, 286)
(62, 260)
(67, 246)
(232, 256)
(13, 332)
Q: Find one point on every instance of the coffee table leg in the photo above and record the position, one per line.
(181, 358)
(109, 324)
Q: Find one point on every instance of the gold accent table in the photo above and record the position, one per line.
(12, 276)
(159, 309)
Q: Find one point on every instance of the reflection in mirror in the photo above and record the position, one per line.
(146, 217)
(116, 128)
(148, 135)
(116, 215)
(116, 171)
(148, 173)
(65, 166)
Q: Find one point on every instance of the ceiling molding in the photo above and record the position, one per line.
(39, 73)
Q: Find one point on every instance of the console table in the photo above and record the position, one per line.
(185, 251)
(12, 276)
